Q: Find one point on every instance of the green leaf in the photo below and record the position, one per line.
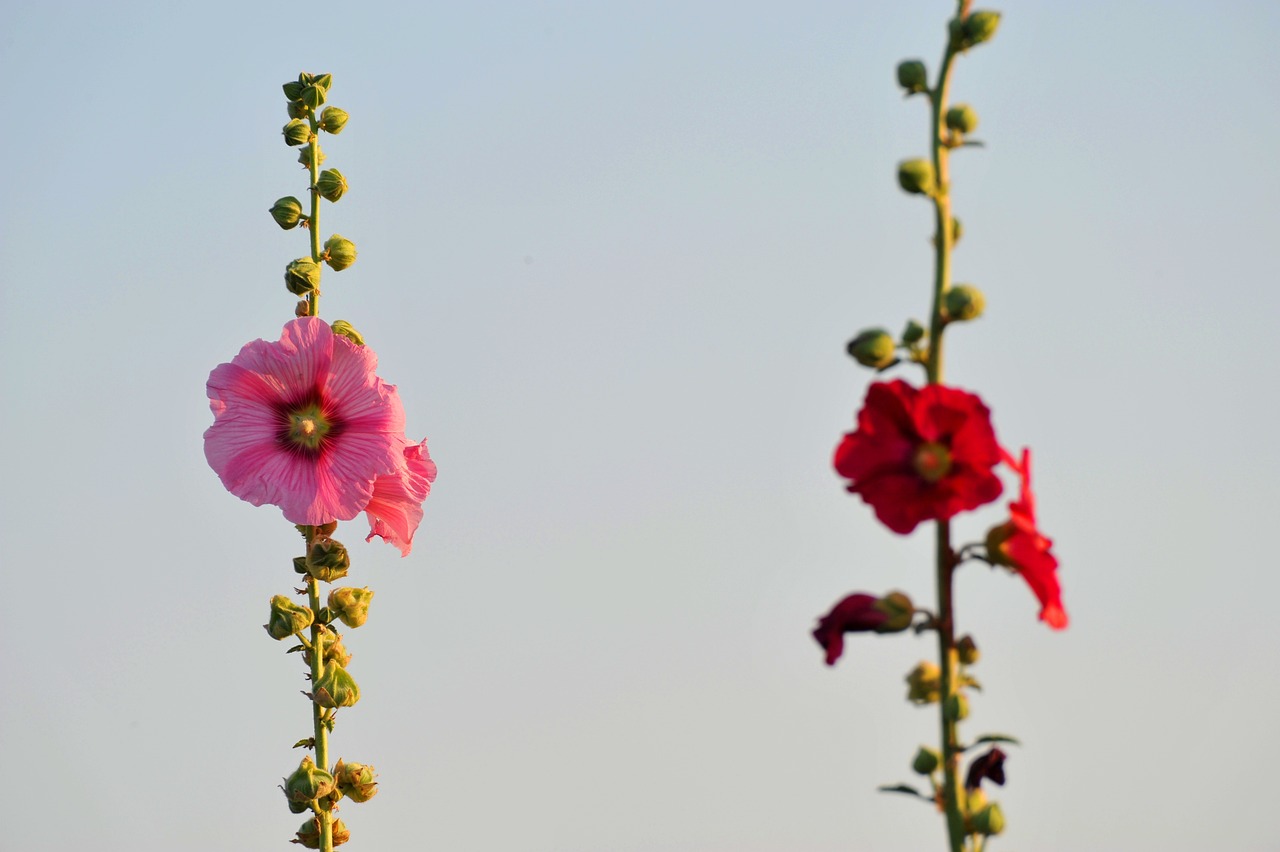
(309, 742)
(902, 788)
(997, 738)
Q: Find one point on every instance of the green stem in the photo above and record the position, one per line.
(317, 713)
(313, 224)
(945, 556)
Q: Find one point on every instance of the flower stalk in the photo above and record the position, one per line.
(313, 224)
(319, 724)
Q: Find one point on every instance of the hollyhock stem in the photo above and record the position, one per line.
(321, 732)
(945, 557)
(313, 224)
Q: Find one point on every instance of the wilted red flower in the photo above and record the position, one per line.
(860, 613)
(1017, 544)
(920, 454)
(989, 766)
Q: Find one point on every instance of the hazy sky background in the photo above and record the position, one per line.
(611, 254)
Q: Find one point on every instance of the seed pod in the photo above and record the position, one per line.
(332, 120)
(331, 184)
(297, 132)
(339, 252)
(336, 688)
(302, 276)
(351, 605)
(287, 618)
(287, 212)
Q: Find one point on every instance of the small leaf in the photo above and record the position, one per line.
(996, 738)
(309, 742)
(971, 681)
(902, 788)
(295, 649)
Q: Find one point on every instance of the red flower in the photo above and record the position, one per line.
(920, 454)
(1017, 544)
(989, 766)
(860, 613)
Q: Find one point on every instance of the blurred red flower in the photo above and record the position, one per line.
(1019, 545)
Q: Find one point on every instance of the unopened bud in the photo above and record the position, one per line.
(334, 650)
(967, 650)
(287, 618)
(978, 27)
(287, 212)
(302, 276)
(332, 120)
(913, 333)
(297, 132)
(351, 605)
(924, 683)
(962, 118)
(989, 820)
(957, 707)
(900, 610)
(302, 309)
(926, 761)
(297, 109)
(963, 302)
(335, 688)
(308, 783)
(304, 156)
(324, 81)
(912, 76)
(355, 780)
(327, 560)
(347, 330)
(292, 90)
(957, 230)
(309, 834)
(313, 96)
(873, 348)
(331, 184)
(916, 177)
(339, 252)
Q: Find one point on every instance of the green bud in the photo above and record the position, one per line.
(355, 780)
(873, 347)
(957, 707)
(287, 618)
(327, 559)
(347, 330)
(913, 333)
(302, 276)
(292, 90)
(332, 120)
(916, 177)
(297, 132)
(331, 184)
(926, 761)
(978, 27)
(967, 650)
(962, 118)
(308, 783)
(324, 81)
(313, 96)
(957, 230)
(351, 605)
(304, 156)
(900, 610)
(287, 212)
(335, 688)
(924, 683)
(309, 834)
(339, 252)
(989, 820)
(963, 302)
(912, 76)
(334, 650)
(297, 109)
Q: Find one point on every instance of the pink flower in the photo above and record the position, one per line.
(1019, 544)
(396, 506)
(304, 424)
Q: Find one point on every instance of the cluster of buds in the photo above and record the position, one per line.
(311, 788)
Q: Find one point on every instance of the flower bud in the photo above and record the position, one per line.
(302, 276)
(297, 132)
(989, 820)
(327, 559)
(308, 783)
(962, 118)
(351, 605)
(287, 618)
(304, 156)
(287, 212)
(924, 683)
(297, 109)
(339, 252)
(355, 780)
(957, 230)
(332, 120)
(912, 76)
(309, 834)
(873, 348)
(324, 81)
(963, 302)
(292, 90)
(331, 184)
(967, 650)
(913, 333)
(347, 330)
(957, 707)
(334, 650)
(302, 309)
(335, 688)
(978, 27)
(312, 96)
(898, 607)
(926, 761)
(916, 177)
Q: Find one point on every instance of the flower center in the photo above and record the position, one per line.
(307, 427)
(932, 461)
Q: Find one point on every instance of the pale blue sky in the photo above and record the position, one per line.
(611, 253)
